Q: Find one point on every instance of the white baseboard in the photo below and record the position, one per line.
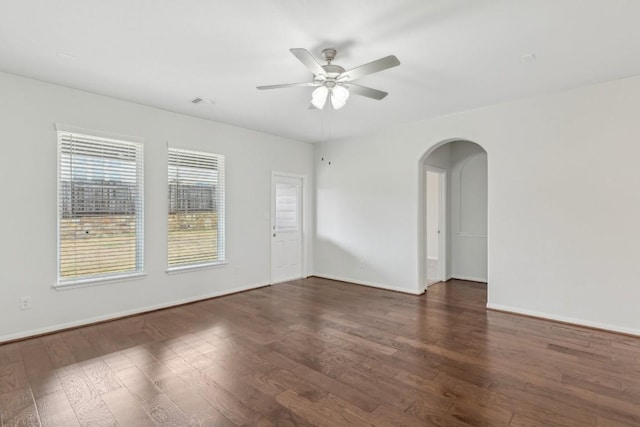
(370, 284)
(112, 316)
(564, 319)
(288, 280)
(446, 278)
(469, 278)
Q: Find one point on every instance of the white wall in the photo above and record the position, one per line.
(361, 196)
(468, 229)
(28, 110)
(550, 215)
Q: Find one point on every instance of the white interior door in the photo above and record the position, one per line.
(286, 226)
(435, 226)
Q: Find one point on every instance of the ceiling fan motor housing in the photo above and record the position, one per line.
(331, 71)
(329, 54)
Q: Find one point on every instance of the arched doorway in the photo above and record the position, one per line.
(453, 213)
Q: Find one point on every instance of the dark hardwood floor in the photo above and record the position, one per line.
(319, 352)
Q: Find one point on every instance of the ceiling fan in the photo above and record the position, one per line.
(333, 81)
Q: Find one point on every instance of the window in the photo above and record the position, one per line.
(286, 207)
(100, 208)
(196, 209)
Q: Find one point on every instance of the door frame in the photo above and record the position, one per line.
(442, 219)
(303, 222)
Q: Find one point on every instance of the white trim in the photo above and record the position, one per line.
(83, 281)
(564, 319)
(194, 267)
(288, 175)
(469, 278)
(370, 284)
(61, 127)
(220, 202)
(289, 280)
(442, 214)
(112, 316)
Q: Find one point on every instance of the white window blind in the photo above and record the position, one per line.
(286, 207)
(196, 208)
(100, 208)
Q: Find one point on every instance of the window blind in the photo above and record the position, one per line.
(196, 208)
(100, 208)
(286, 207)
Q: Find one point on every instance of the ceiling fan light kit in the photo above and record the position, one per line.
(338, 95)
(333, 81)
(319, 97)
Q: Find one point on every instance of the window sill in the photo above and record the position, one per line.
(187, 268)
(97, 281)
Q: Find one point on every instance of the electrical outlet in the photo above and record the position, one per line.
(25, 303)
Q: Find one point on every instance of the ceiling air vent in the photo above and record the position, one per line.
(202, 101)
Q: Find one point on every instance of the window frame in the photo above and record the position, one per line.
(220, 210)
(96, 279)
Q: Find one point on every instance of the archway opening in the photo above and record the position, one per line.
(453, 215)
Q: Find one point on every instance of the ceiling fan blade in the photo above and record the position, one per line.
(370, 68)
(308, 60)
(366, 91)
(310, 84)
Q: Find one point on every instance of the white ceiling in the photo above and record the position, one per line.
(455, 54)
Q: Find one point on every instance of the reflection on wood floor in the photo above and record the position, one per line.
(320, 352)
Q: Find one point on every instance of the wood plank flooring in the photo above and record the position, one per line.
(319, 352)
